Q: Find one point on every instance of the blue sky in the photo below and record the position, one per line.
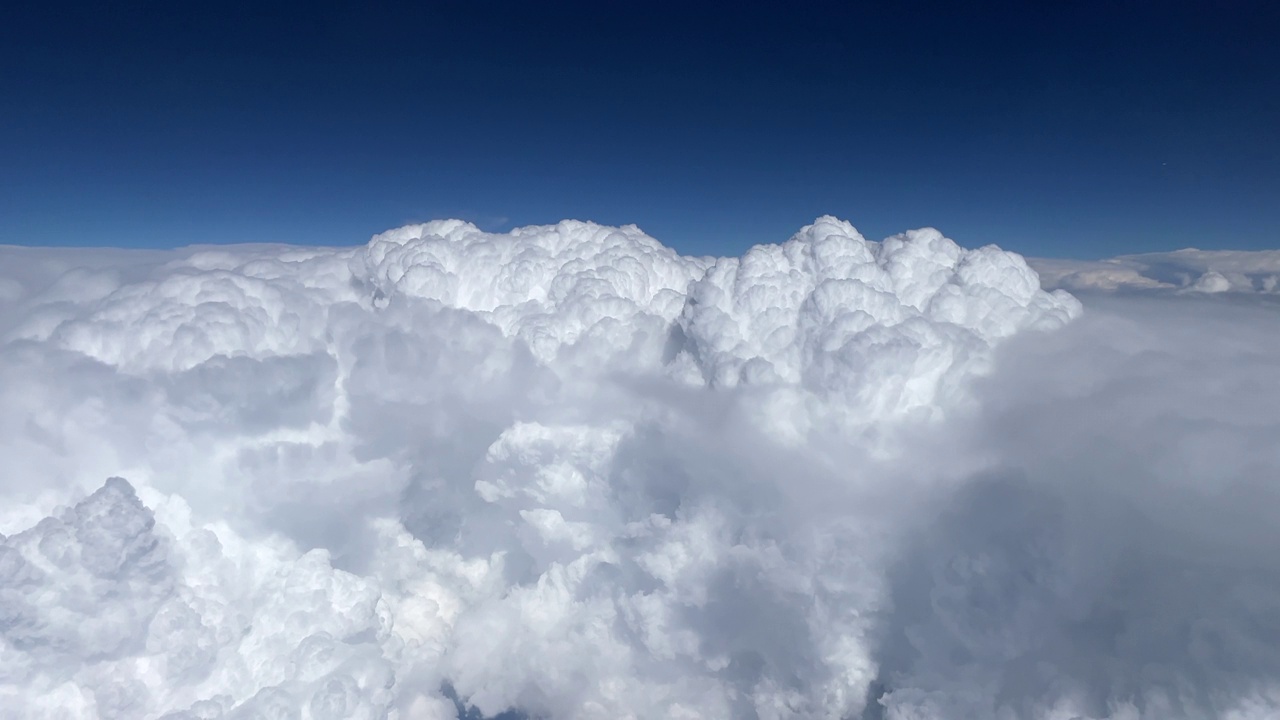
(1081, 131)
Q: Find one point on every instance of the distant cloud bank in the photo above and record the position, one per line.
(1188, 270)
(566, 472)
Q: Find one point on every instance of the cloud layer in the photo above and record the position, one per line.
(1187, 270)
(566, 472)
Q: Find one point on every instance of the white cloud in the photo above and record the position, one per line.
(567, 471)
(1187, 270)
(1113, 563)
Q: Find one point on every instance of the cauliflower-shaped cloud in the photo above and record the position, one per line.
(109, 614)
(891, 323)
(549, 286)
(566, 472)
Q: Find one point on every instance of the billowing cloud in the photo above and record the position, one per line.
(569, 473)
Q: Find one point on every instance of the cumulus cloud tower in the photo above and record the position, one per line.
(562, 469)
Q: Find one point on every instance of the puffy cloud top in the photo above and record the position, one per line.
(568, 472)
(818, 310)
(827, 309)
(835, 312)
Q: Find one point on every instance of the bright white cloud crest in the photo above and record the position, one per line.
(567, 472)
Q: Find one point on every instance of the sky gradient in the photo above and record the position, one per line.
(1083, 131)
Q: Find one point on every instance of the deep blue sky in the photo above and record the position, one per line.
(1083, 130)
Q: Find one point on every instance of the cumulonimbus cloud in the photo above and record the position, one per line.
(567, 472)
